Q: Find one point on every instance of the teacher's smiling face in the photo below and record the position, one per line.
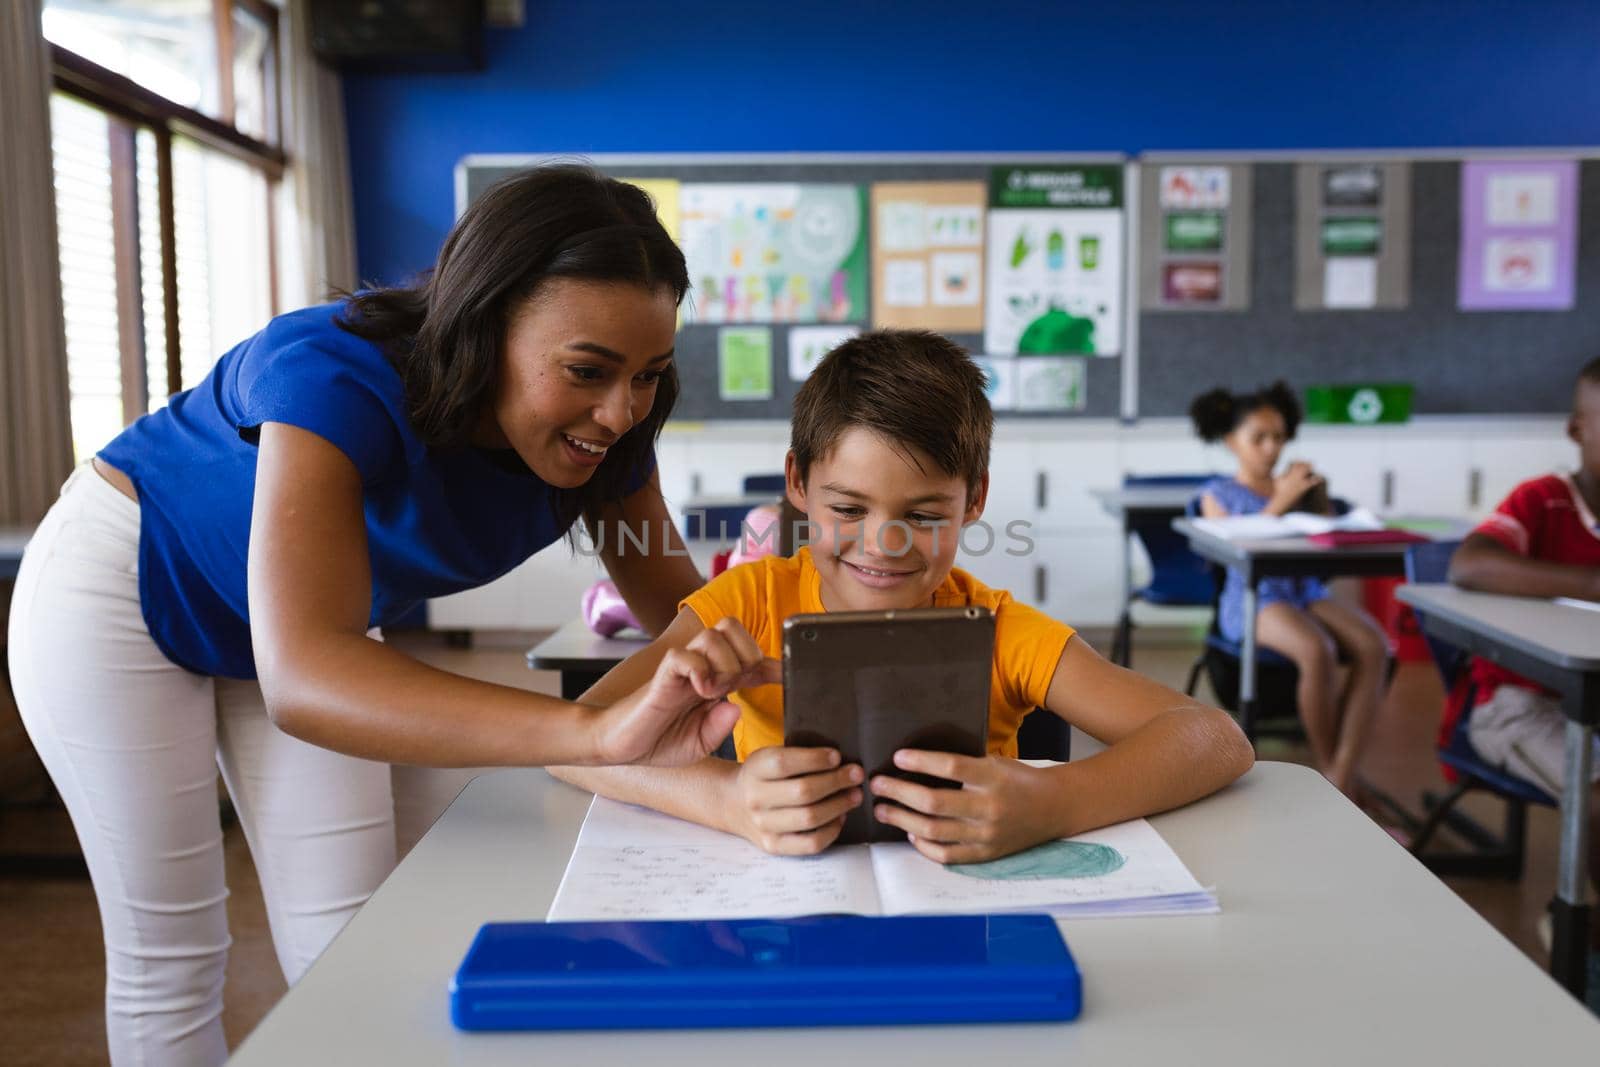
(580, 367)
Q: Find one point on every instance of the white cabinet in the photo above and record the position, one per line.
(1424, 473)
(1066, 469)
(1176, 451)
(1064, 575)
(674, 468)
(997, 567)
(541, 594)
(717, 460)
(1080, 576)
(1499, 463)
(1013, 478)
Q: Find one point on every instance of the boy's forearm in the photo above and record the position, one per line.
(1492, 569)
(1178, 757)
(699, 793)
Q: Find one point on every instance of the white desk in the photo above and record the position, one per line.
(1559, 647)
(1334, 947)
(581, 655)
(1286, 556)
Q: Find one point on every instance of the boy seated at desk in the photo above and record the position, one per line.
(1542, 541)
(889, 460)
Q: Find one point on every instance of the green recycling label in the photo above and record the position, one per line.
(1366, 406)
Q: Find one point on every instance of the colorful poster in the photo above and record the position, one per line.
(1198, 282)
(927, 255)
(1000, 381)
(1351, 235)
(1050, 384)
(808, 344)
(665, 193)
(1353, 186)
(1194, 236)
(905, 285)
(1192, 187)
(1519, 221)
(1055, 261)
(744, 363)
(1194, 231)
(956, 280)
(774, 252)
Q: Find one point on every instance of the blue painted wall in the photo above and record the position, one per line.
(892, 75)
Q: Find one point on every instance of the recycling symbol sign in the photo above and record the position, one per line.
(1366, 406)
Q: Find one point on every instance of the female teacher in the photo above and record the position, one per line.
(208, 591)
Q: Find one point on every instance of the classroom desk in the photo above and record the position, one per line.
(581, 655)
(1334, 947)
(1128, 505)
(1290, 557)
(1558, 647)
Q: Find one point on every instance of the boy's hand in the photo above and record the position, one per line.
(1003, 806)
(792, 801)
(682, 715)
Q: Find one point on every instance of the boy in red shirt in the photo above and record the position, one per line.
(1543, 541)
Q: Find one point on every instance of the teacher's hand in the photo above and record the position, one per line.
(682, 715)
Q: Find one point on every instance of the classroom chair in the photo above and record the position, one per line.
(1178, 577)
(1494, 856)
(763, 483)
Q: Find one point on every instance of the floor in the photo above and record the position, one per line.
(50, 949)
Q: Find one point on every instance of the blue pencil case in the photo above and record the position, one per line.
(815, 971)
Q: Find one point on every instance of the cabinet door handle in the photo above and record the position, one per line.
(694, 483)
(1039, 584)
(1042, 490)
(1475, 487)
(1388, 490)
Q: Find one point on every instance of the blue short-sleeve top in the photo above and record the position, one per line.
(437, 521)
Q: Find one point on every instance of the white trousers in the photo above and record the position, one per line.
(133, 744)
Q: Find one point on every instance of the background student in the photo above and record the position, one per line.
(1542, 540)
(1296, 617)
(889, 459)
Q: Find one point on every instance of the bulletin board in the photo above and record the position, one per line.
(716, 337)
(1289, 325)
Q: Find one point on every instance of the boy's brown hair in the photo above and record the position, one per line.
(912, 387)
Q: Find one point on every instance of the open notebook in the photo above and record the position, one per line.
(632, 863)
(1262, 527)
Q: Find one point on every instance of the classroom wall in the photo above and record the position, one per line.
(934, 75)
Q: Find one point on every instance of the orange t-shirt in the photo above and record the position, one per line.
(763, 593)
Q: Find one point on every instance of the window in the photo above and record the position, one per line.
(80, 147)
(164, 126)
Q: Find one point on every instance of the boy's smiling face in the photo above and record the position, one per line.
(885, 521)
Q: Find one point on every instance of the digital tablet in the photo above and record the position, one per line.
(818, 971)
(871, 682)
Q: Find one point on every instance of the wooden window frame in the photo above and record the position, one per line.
(132, 107)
